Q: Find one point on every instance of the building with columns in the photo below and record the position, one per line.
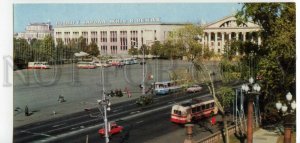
(118, 38)
(217, 34)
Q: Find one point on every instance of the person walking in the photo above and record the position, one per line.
(128, 92)
(26, 111)
(213, 120)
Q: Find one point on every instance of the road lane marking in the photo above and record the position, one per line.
(40, 134)
(58, 125)
(139, 122)
(73, 133)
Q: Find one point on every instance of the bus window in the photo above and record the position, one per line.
(198, 108)
(177, 112)
(194, 110)
(202, 107)
(212, 105)
(207, 106)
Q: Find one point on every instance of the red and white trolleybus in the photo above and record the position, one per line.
(195, 109)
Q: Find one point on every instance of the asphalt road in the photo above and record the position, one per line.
(136, 120)
(42, 130)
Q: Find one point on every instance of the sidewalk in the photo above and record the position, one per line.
(265, 136)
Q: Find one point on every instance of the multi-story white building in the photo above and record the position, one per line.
(117, 39)
(36, 31)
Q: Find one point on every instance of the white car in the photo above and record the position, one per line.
(101, 64)
(194, 88)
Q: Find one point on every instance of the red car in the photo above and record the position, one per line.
(114, 129)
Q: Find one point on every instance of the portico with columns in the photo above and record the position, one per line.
(218, 33)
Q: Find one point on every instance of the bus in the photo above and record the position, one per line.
(193, 110)
(38, 65)
(166, 87)
(86, 65)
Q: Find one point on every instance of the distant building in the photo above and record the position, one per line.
(216, 34)
(117, 39)
(36, 31)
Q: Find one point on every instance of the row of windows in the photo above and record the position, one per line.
(203, 107)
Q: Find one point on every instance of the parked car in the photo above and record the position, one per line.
(141, 63)
(194, 88)
(114, 129)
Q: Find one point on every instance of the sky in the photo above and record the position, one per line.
(23, 14)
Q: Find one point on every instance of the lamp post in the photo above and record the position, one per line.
(251, 89)
(143, 64)
(104, 103)
(284, 109)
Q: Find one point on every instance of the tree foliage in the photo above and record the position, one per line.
(133, 51)
(277, 53)
(156, 48)
(143, 49)
(93, 49)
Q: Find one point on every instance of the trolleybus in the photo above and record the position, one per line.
(38, 65)
(193, 110)
(166, 87)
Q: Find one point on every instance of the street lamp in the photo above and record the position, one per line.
(284, 109)
(251, 89)
(143, 64)
(105, 104)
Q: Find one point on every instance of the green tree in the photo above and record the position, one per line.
(93, 49)
(145, 49)
(156, 48)
(60, 49)
(47, 48)
(82, 44)
(207, 53)
(22, 53)
(277, 53)
(133, 51)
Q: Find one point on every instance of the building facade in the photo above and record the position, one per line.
(36, 31)
(217, 34)
(117, 39)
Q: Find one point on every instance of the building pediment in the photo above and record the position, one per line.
(230, 22)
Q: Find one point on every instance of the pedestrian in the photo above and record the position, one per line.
(213, 120)
(128, 92)
(26, 111)
(189, 118)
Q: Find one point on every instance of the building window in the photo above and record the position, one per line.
(113, 36)
(103, 36)
(85, 36)
(103, 49)
(219, 43)
(219, 50)
(155, 38)
(134, 38)
(113, 49)
(123, 40)
(75, 34)
(94, 36)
